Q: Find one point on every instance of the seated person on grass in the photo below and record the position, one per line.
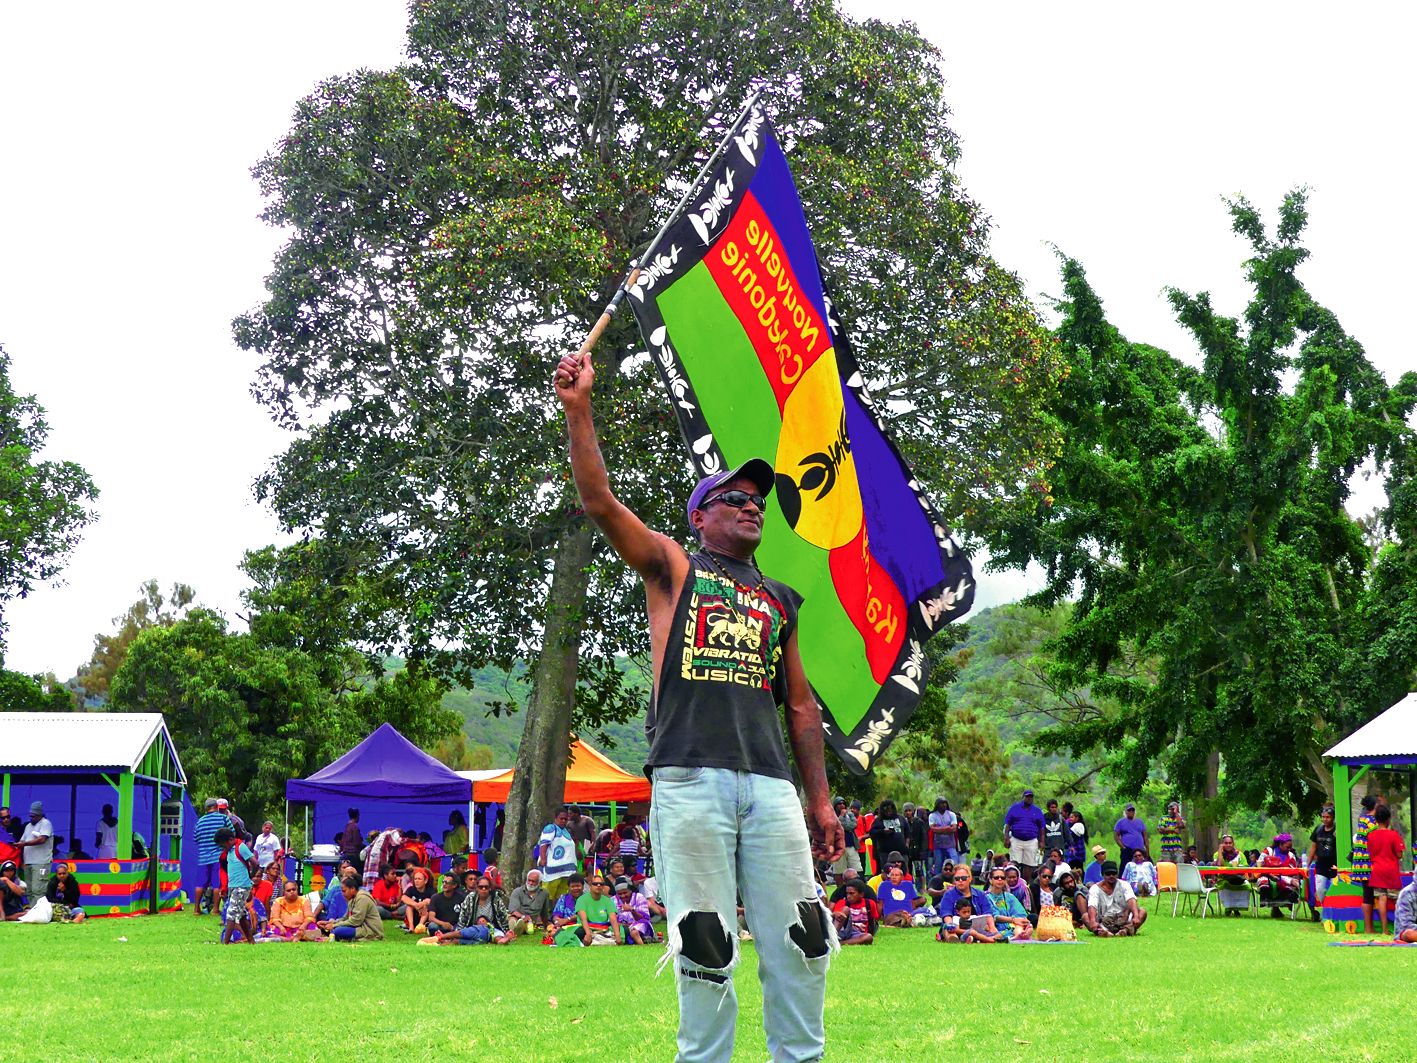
(898, 899)
(290, 918)
(565, 921)
(1041, 892)
(852, 879)
(443, 908)
(482, 918)
(1093, 871)
(856, 915)
(361, 921)
(63, 893)
(937, 885)
(417, 897)
(12, 892)
(1010, 917)
(1013, 882)
(596, 912)
(1404, 915)
(1066, 895)
(632, 913)
(894, 859)
(490, 869)
(1140, 874)
(648, 888)
(962, 885)
(529, 905)
(967, 928)
(1112, 909)
(388, 892)
(614, 868)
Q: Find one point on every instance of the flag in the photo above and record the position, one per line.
(731, 302)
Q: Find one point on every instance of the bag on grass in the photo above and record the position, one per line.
(1055, 923)
(41, 912)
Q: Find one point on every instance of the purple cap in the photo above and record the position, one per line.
(755, 469)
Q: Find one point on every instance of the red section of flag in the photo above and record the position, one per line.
(757, 281)
(872, 601)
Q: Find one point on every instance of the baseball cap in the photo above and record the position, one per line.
(222, 803)
(1110, 867)
(622, 883)
(755, 469)
(209, 803)
(1028, 793)
(1130, 808)
(37, 806)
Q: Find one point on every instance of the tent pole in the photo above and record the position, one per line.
(1342, 808)
(154, 853)
(5, 791)
(73, 817)
(125, 816)
(1412, 804)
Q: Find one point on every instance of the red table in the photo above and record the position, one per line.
(1251, 872)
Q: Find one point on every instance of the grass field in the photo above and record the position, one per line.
(1218, 989)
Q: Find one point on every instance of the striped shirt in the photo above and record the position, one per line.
(205, 835)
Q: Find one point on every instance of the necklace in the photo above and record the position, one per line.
(756, 591)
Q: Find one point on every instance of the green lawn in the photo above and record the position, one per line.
(1218, 989)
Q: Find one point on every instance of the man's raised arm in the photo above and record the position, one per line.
(646, 551)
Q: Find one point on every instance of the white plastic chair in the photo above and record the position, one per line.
(1190, 884)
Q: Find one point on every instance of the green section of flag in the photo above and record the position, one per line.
(738, 402)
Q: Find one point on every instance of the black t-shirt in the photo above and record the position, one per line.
(1326, 855)
(71, 891)
(1054, 835)
(445, 906)
(722, 678)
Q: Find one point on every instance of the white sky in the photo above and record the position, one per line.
(129, 235)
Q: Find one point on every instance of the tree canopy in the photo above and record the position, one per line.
(44, 505)
(1227, 602)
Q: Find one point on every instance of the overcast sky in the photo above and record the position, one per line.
(129, 235)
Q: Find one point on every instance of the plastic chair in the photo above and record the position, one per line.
(1190, 884)
(1165, 880)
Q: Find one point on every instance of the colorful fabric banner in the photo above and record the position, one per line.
(730, 300)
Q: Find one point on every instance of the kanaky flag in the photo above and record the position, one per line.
(730, 300)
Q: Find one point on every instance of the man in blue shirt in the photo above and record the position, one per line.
(1023, 827)
(1130, 833)
(208, 855)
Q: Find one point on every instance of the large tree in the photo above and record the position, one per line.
(44, 505)
(1224, 593)
(460, 221)
(152, 609)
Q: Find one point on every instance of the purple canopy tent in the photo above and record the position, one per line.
(390, 780)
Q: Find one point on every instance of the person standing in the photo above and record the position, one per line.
(915, 836)
(849, 864)
(1323, 856)
(208, 856)
(1130, 833)
(725, 818)
(1075, 852)
(1385, 854)
(37, 845)
(1023, 827)
(106, 835)
(556, 853)
(351, 839)
(238, 887)
(1055, 831)
(267, 845)
(1172, 830)
(1361, 865)
(943, 837)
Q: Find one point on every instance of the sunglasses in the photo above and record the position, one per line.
(483, 889)
(736, 499)
(962, 878)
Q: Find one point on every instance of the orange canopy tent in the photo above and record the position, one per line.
(592, 778)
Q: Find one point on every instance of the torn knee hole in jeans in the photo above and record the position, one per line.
(814, 932)
(704, 939)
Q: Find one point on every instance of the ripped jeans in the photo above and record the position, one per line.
(718, 835)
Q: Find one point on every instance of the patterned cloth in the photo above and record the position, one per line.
(1361, 864)
(1173, 837)
(236, 900)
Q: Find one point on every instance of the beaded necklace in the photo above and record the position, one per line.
(760, 589)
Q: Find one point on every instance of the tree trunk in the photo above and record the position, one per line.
(1208, 833)
(540, 780)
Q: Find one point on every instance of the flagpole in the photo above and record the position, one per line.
(697, 181)
(603, 322)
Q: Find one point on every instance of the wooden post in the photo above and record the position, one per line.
(125, 816)
(5, 790)
(154, 854)
(1342, 812)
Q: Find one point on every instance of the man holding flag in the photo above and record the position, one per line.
(725, 817)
